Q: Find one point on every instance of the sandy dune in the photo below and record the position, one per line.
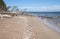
(25, 27)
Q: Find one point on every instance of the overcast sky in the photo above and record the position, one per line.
(35, 5)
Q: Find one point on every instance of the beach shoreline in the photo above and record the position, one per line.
(51, 23)
(21, 27)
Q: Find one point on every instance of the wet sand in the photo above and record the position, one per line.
(25, 27)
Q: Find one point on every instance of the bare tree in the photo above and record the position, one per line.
(8, 8)
(24, 11)
(13, 8)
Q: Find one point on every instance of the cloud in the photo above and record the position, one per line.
(42, 8)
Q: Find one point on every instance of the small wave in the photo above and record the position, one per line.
(50, 24)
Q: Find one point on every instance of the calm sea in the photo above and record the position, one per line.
(49, 14)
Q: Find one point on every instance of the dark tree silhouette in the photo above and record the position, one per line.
(2, 5)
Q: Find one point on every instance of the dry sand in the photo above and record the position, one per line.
(25, 27)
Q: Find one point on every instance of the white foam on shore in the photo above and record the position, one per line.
(52, 26)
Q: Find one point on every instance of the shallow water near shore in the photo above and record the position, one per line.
(52, 20)
(53, 23)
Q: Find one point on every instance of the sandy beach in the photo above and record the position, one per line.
(25, 27)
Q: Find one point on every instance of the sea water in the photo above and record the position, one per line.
(53, 23)
(49, 14)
